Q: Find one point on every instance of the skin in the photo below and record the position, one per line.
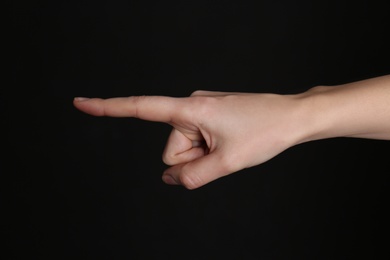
(218, 133)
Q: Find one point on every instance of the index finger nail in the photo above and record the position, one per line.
(79, 99)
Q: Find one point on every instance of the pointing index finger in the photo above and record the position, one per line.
(151, 108)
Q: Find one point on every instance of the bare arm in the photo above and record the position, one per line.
(216, 133)
(357, 109)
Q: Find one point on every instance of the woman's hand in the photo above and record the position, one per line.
(214, 133)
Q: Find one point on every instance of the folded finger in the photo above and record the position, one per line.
(199, 172)
(181, 149)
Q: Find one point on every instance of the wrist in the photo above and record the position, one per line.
(315, 114)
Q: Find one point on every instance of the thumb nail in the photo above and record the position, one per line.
(168, 179)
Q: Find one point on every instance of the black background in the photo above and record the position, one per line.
(81, 187)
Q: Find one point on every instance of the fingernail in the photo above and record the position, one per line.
(78, 99)
(168, 179)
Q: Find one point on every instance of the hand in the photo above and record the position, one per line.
(217, 133)
(214, 133)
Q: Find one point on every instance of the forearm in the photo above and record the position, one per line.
(359, 109)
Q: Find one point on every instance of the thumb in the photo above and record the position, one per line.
(199, 172)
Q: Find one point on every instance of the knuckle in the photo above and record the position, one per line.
(190, 180)
(204, 106)
(199, 93)
(168, 159)
(137, 100)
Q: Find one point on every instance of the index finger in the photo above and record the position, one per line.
(151, 108)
